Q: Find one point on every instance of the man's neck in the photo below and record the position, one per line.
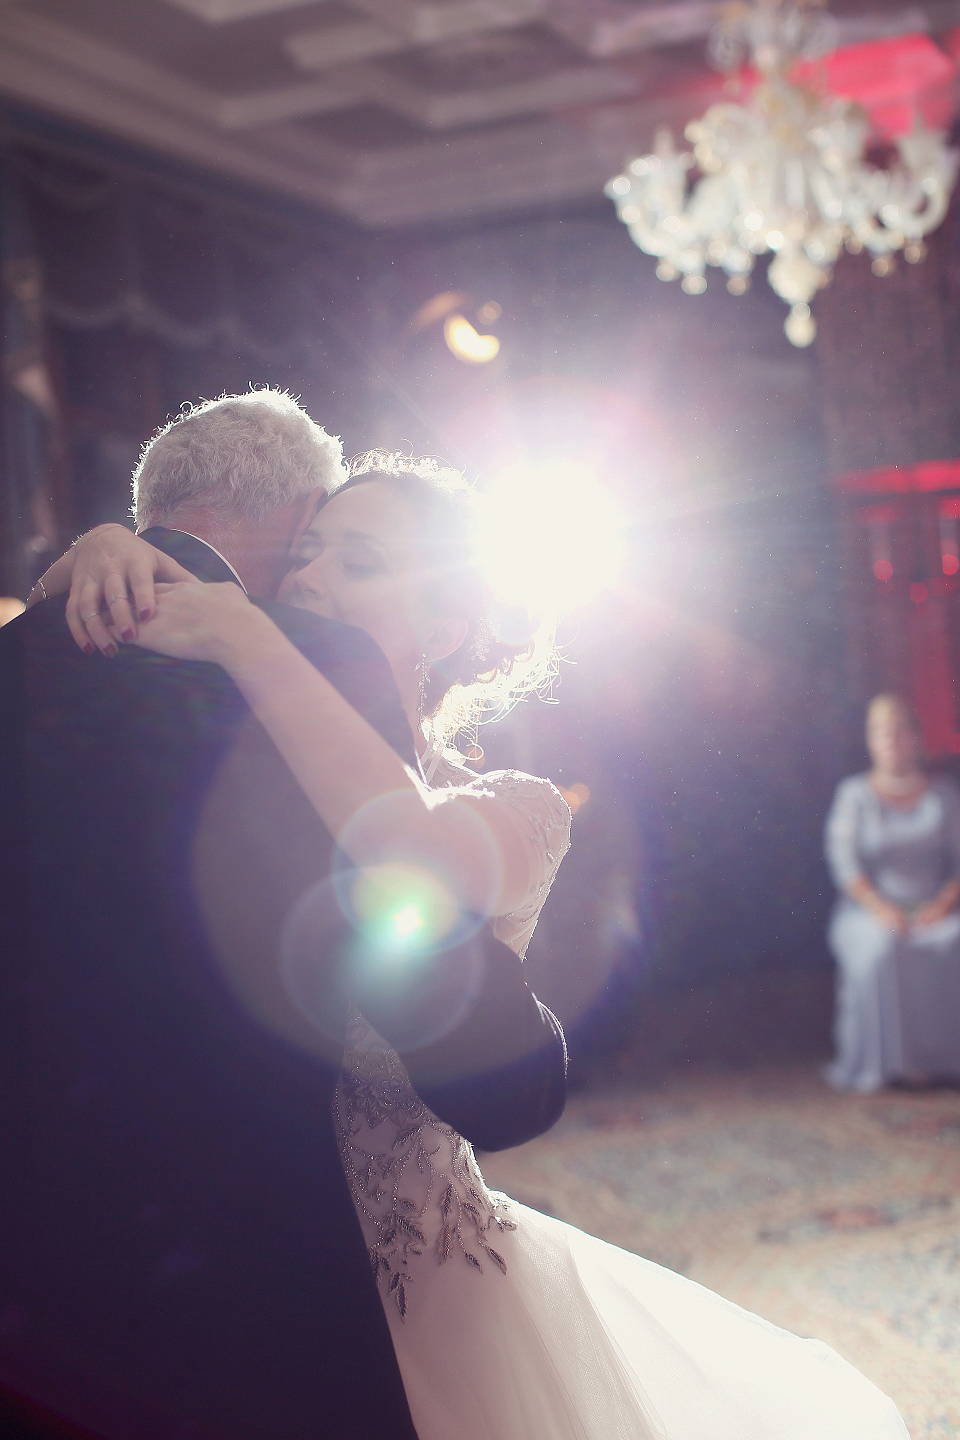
(250, 550)
(175, 530)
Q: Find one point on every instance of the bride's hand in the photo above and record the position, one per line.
(113, 585)
(202, 622)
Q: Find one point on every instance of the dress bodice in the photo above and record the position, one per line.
(906, 853)
(418, 1190)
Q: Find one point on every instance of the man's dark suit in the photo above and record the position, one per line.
(179, 1254)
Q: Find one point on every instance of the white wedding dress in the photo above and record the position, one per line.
(510, 1325)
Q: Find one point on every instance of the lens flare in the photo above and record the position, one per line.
(551, 535)
(313, 937)
(425, 884)
(438, 308)
(400, 908)
(409, 960)
(392, 938)
(407, 920)
(467, 343)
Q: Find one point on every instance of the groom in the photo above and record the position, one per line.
(179, 1254)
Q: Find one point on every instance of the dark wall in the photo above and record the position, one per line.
(889, 351)
(130, 288)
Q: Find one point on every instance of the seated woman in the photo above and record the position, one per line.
(893, 847)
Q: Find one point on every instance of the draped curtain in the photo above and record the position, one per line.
(889, 353)
(128, 293)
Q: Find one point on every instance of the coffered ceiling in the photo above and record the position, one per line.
(389, 111)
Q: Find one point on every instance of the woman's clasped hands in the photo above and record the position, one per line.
(201, 622)
(123, 591)
(111, 575)
(892, 917)
(902, 922)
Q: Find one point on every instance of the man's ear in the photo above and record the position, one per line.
(305, 509)
(446, 636)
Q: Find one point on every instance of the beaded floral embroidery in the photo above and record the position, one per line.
(415, 1181)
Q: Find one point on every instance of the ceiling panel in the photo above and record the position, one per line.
(389, 110)
(485, 60)
(219, 12)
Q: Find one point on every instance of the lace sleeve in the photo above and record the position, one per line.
(543, 818)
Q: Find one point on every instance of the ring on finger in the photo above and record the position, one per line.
(112, 599)
(91, 616)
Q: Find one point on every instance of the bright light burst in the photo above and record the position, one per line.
(407, 919)
(551, 536)
(401, 907)
(468, 344)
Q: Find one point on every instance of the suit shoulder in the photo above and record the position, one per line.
(332, 638)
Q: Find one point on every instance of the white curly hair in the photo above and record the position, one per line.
(237, 456)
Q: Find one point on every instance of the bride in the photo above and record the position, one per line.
(507, 1324)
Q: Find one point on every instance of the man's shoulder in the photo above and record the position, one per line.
(40, 641)
(39, 631)
(44, 628)
(38, 651)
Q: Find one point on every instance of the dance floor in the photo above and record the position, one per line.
(834, 1216)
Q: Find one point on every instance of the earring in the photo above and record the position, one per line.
(422, 669)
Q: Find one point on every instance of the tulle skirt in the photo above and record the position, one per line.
(580, 1340)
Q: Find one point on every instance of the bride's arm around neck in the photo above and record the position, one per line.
(378, 810)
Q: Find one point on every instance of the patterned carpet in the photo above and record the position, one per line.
(834, 1216)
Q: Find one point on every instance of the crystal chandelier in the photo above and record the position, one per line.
(785, 172)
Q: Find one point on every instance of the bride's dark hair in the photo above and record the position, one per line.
(505, 654)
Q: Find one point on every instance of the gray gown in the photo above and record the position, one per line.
(898, 996)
